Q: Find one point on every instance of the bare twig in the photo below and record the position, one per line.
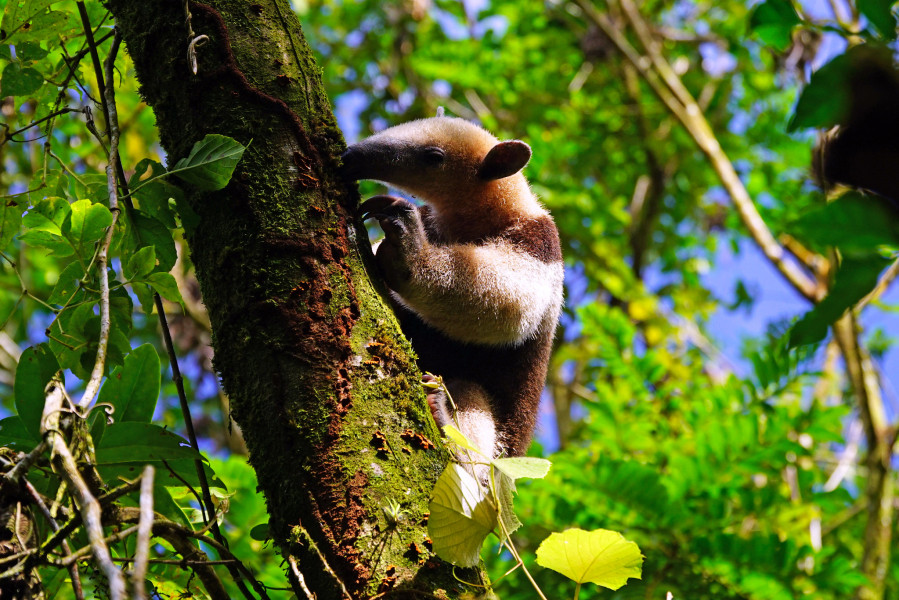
(21, 467)
(882, 284)
(73, 568)
(295, 569)
(110, 539)
(144, 528)
(88, 506)
(8, 136)
(93, 384)
(178, 536)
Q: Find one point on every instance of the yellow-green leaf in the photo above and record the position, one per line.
(461, 517)
(600, 556)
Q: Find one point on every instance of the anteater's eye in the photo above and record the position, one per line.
(433, 156)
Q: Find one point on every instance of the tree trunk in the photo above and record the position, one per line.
(321, 380)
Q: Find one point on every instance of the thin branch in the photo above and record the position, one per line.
(21, 467)
(8, 136)
(93, 384)
(88, 506)
(110, 539)
(665, 83)
(882, 284)
(144, 528)
(73, 568)
(178, 536)
(295, 569)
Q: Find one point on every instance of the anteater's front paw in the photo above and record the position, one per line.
(404, 236)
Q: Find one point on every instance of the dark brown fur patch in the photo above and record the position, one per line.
(512, 377)
(537, 237)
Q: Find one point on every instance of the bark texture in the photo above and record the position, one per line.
(321, 381)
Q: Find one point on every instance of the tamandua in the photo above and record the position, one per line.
(475, 274)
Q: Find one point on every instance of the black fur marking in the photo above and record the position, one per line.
(513, 377)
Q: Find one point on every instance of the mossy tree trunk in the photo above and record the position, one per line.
(321, 381)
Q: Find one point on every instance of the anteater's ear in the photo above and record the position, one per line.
(504, 159)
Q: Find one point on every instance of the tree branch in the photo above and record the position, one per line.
(88, 506)
(671, 91)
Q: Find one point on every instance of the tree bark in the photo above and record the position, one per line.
(321, 381)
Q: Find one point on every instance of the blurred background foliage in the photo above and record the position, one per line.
(675, 411)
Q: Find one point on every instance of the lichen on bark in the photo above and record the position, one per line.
(321, 381)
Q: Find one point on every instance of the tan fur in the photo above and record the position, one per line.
(465, 208)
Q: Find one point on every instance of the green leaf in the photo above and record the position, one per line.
(14, 434)
(260, 532)
(10, 223)
(141, 442)
(865, 222)
(856, 278)
(141, 263)
(600, 556)
(67, 285)
(69, 342)
(36, 368)
(144, 295)
(505, 486)
(165, 284)
(211, 162)
(461, 517)
(43, 225)
(171, 473)
(825, 100)
(48, 215)
(29, 20)
(523, 466)
(85, 224)
(457, 437)
(152, 232)
(17, 80)
(30, 51)
(134, 388)
(153, 193)
(880, 14)
(773, 22)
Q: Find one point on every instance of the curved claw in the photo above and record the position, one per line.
(384, 206)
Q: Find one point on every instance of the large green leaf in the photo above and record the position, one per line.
(171, 473)
(67, 286)
(85, 224)
(153, 232)
(461, 517)
(141, 263)
(10, 223)
(773, 22)
(36, 368)
(855, 223)
(166, 286)
(855, 279)
(880, 14)
(14, 434)
(141, 442)
(211, 162)
(17, 80)
(602, 557)
(523, 466)
(825, 100)
(134, 388)
(43, 225)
